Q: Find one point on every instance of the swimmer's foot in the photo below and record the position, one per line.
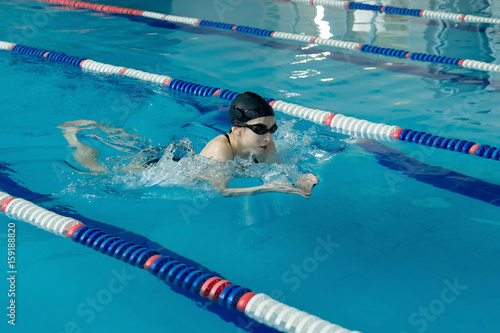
(84, 154)
(71, 128)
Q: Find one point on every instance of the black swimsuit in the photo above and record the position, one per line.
(229, 141)
(155, 154)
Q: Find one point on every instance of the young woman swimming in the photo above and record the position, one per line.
(251, 135)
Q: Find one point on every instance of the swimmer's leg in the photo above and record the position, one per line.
(84, 154)
(120, 139)
(114, 137)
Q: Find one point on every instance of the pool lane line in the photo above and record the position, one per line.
(353, 46)
(259, 307)
(337, 122)
(444, 24)
(237, 318)
(360, 60)
(389, 10)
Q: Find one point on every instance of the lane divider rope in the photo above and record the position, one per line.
(337, 122)
(402, 54)
(259, 307)
(427, 14)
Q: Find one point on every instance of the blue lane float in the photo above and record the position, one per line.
(457, 145)
(337, 122)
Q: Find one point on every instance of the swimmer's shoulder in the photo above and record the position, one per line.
(218, 148)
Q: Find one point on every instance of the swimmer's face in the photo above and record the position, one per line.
(255, 143)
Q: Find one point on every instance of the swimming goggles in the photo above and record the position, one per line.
(260, 129)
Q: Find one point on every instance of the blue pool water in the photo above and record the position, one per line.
(412, 233)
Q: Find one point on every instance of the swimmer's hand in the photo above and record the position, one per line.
(284, 187)
(303, 186)
(307, 182)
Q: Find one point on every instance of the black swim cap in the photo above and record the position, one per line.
(248, 106)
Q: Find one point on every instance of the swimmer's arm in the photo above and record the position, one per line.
(279, 187)
(220, 150)
(303, 186)
(222, 185)
(244, 191)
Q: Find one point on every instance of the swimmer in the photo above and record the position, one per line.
(251, 136)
